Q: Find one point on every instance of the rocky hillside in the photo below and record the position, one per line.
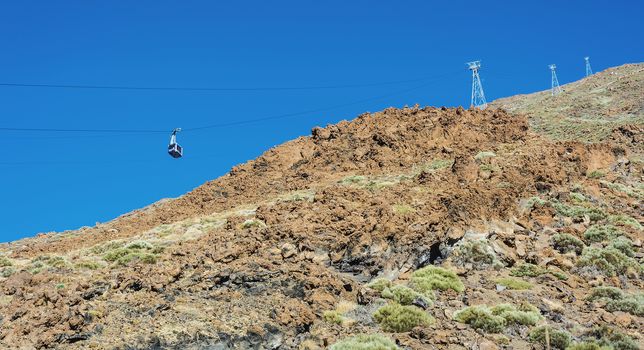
(413, 228)
(589, 109)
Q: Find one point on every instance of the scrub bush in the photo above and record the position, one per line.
(401, 318)
(431, 278)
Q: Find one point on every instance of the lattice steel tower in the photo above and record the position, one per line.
(556, 89)
(478, 97)
(589, 71)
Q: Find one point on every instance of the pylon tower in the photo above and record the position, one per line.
(589, 71)
(556, 89)
(478, 97)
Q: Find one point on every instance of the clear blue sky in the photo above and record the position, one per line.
(58, 181)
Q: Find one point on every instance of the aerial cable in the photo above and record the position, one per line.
(228, 124)
(211, 89)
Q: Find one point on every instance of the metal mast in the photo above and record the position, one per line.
(478, 97)
(589, 71)
(556, 89)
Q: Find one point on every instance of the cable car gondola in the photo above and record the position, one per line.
(174, 150)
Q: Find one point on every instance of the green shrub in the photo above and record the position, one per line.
(379, 284)
(514, 283)
(60, 286)
(618, 301)
(404, 295)
(559, 275)
(599, 233)
(565, 243)
(578, 212)
(527, 270)
(136, 251)
(612, 339)
(535, 202)
(609, 261)
(605, 292)
(5, 272)
(480, 317)
(431, 278)
(624, 220)
(495, 319)
(100, 249)
(332, 316)
(577, 197)
(591, 345)
(439, 164)
(365, 342)
(250, 223)
(631, 305)
(624, 245)
(596, 174)
(401, 318)
(4, 261)
(88, 265)
(559, 339)
(478, 253)
(352, 179)
(525, 314)
(484, 154)
(138, 245)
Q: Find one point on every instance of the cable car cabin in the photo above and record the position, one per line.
(175, 150)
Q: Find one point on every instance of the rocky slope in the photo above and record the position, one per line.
(590, 109)
(338, 234)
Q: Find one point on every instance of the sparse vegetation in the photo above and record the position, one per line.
(577, 197)
(135, 251)
(88, 265)
(403, 209)
(557, 339)
(624, 220)
(616, 300)
(596, 174)
(481, 317)
(564, 243)
(404, 295)
(606, 338)
(439, 164)
(495, 319)
(352, 180)
(605, 292)
(514, 283)
(478, 253)
(4, 261)
(489, 168)
(578, 212)
(599, 233)
(379, 284)
(484, 154)
(629, 191)
(250, 223)
(535, 202)
(332, 316)
(624, 245)
(609, 261)
(401, 318)
(528, 270)
(365, 342)
(6, 272)
(431, 278)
